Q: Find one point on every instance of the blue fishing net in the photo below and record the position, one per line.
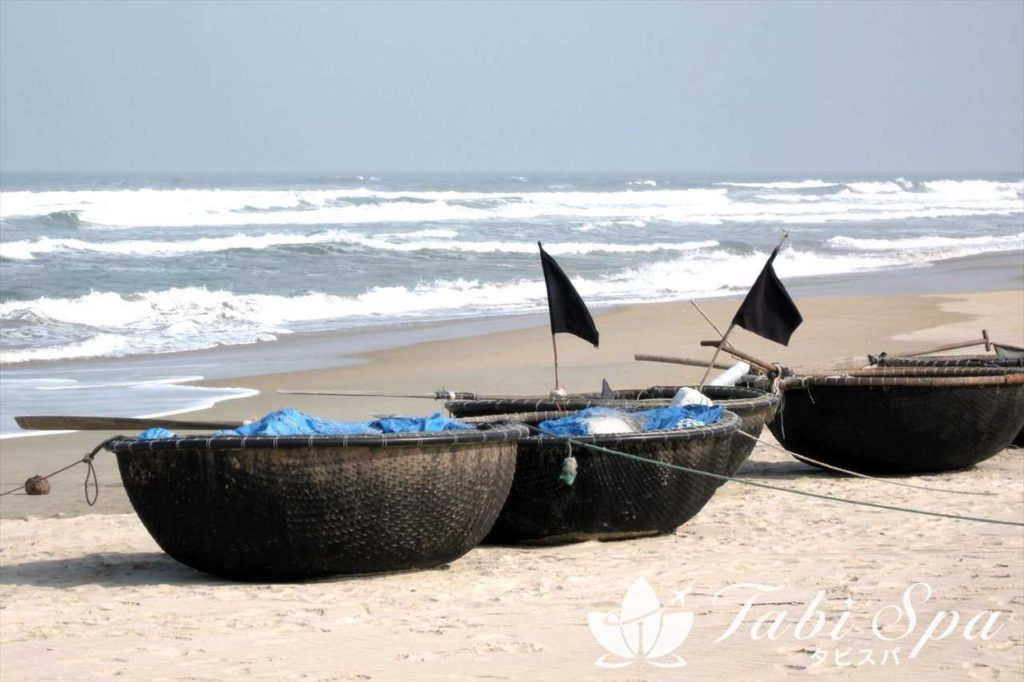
(289, 422)
(656, 419)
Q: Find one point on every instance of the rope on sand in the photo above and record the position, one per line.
(90, 475)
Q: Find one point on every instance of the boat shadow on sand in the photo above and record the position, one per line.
(105, 569)
(795, 470)
(137, 569)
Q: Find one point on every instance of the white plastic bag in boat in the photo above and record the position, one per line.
(603, 424)
(689, 396)
(730, 376)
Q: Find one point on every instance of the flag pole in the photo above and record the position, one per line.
(706, 318)
(554, 347)
(707, 370)
(725, 337)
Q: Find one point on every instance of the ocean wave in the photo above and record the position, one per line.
(190, 318)
(855, 201)
(408, 242)
(781, 184)
(876, 187)
(642, 183)
(957, 246)
(600, 224)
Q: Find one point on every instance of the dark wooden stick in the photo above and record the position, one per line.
(715, 343)
(61, 423)
(643, 357)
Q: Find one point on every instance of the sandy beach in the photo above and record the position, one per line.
(216, 211)
(93, 597)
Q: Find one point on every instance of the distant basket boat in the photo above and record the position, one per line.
(902, 424)
(296, 507)
(754, 407)
(612, 497)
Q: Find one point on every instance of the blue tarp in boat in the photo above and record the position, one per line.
(289, 422)
(656, 419)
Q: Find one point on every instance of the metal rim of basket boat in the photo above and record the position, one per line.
(499, 432)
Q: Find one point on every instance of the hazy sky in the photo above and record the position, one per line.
(759, 87)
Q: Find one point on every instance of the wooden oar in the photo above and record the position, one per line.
(436, 395)
(643, 357)
(953, 346)
(54, 423)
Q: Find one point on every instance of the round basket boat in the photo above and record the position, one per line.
(297, 507)
(908, 424)
(952, 361)
(612, 497)
(753, 406)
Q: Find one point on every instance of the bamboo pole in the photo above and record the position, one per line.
(643, 357)
(706, 318)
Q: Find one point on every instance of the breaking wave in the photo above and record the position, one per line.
(422, 240)
(191, 318)
(782, 201)
(955, 246)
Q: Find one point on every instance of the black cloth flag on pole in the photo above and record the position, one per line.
(768, 310)
(568, 312)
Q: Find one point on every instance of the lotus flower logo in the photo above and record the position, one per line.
(641, 630)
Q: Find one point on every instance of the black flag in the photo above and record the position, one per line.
(569, 313)
(768, 310)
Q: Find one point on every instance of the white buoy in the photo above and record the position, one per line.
(689, 396)
(730, 376)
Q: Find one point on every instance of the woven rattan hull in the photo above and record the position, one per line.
(754, 408)
(287, 514)
(612, 497)
(955, 361)
(899, 429)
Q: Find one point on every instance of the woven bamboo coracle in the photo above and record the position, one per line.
(296, 507)
(612, 497)
(902, 424)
